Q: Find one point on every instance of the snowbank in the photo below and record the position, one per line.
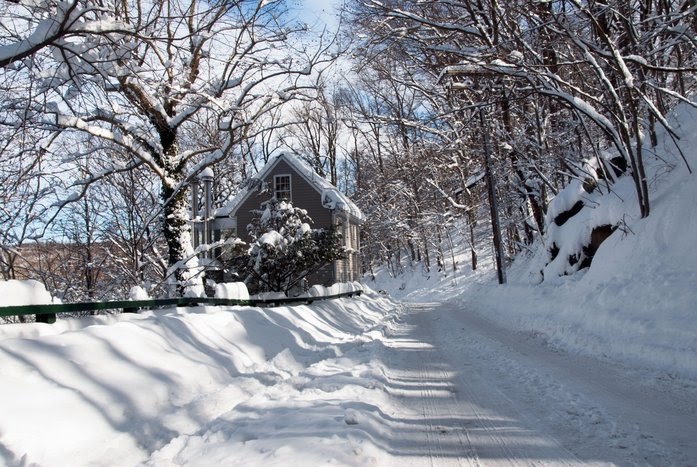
(199, 386)
(23, 292)
(638, 301)
(232, 291)
(334, 289)
(636, 304)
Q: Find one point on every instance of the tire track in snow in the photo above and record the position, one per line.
(464, 420)
(602, 413)
(423, 397)
(436, 433)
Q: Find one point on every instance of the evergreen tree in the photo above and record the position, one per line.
(285, 249)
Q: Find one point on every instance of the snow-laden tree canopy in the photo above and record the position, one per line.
(172, 86)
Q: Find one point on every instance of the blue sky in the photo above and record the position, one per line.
(319, 10)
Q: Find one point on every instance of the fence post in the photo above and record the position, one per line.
(49, 318)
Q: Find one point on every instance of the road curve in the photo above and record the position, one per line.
(477, 394)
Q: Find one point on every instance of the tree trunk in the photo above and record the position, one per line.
(493, 204)
(183, 264)
(176, 230)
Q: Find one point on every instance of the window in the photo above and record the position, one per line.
(281, 187)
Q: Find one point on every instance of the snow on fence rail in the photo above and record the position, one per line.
(132, 306)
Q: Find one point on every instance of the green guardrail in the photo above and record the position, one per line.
(48, 312)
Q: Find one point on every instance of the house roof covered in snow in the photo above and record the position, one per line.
(331, 197)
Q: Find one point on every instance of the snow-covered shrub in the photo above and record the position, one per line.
(269, 296)
(232, 291)
(138, 293)
(317, 291)
(285, 250)
(334, 289)
(25, 292)
(344, 288)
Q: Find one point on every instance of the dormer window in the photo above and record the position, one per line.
(281, 187)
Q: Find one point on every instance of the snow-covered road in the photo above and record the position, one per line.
(365, 381)
(466, 417)
(491, 396)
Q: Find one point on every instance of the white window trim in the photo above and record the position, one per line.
(290, 186)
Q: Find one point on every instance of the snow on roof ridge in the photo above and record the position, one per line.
(331, 197)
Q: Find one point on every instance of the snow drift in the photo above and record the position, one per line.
(636, 304)
(24, 292)
(187, 386)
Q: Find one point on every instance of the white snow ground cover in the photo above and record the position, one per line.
(636, 304)
(199, 386)
(595, 368)
(361, 381)
(24, 292)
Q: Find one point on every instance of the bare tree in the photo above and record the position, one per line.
(559, 81)
(182, 63)
(26, 190)
(132, 235)
(28, 27)
(314, 132)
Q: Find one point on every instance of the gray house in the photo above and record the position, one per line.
(289, 178)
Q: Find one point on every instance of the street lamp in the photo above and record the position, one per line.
(201, 216)
(206, 176)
